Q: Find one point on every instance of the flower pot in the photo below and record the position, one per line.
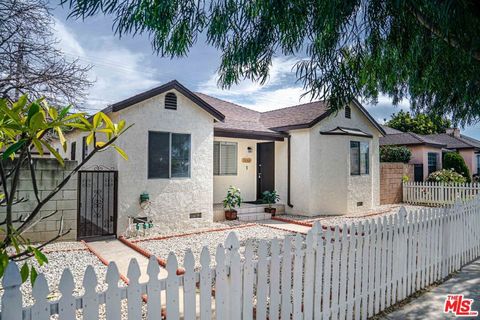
(230, 214)
(273, 211)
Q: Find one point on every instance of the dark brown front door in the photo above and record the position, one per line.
(265, 167)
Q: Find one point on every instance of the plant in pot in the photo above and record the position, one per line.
(232, 200)
(270, 197)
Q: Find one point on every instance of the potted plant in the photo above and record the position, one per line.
(270, 197)
(232, 200)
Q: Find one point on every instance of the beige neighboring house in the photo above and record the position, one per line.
(185, 149)
(427, 150)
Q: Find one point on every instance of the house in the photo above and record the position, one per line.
(427, 150)
(185, 149)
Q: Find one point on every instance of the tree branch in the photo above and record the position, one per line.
(422, 19)
(32, 174)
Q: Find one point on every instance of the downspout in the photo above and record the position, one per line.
(288, 172)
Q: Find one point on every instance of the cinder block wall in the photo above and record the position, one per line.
(391, 178)
(49, 174)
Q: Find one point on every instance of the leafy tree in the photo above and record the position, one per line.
(420, 123)
(423, 50)
(454, 161)
(30, 61)
(26, 126)
(395, 154)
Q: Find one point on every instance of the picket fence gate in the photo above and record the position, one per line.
(351, 272)
(438, 194)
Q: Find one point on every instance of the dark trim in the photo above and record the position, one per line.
(244, 134)
(327, 114)
(289, 156)
(344, 133)
(174, 84)
(440, 146)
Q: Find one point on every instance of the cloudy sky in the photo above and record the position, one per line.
(126, 66)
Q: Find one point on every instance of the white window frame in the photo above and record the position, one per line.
(220, 173)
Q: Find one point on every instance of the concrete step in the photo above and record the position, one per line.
(259, 208)
(254, 216)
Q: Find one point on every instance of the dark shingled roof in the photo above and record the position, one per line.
(389, 130)
(409, 138)
(303, 115)
(452, 142)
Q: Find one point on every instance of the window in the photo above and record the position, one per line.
(73, 147)
(84, 148)
(359, 158)
(224, 158)
(168, 155)
(348, 112)
(171, 101)
(432, 162)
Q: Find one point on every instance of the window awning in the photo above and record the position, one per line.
(342, 131)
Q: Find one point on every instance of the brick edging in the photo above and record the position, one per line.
(178, 235)
(147, 254)
(300, 223)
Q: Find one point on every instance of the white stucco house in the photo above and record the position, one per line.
(185, 149)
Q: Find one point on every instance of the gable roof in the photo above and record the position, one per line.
(409, 139)
(452, 142)
(174, 84)
(389, 130)
(305, 115)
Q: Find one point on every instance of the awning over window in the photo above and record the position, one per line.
(342, 131)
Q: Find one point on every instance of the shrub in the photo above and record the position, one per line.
(233, 198)
(270, 197)
(455, 162)
(446, 176)
(395, 154)
(476, 178)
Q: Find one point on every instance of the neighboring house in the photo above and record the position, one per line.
(185, 149)
(427, 150)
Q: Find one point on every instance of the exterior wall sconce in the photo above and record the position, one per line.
(249, 149)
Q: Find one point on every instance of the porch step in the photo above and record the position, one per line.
(253, 216)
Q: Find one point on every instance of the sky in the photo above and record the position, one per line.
(122, 67)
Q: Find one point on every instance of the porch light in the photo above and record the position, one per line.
(249, 149)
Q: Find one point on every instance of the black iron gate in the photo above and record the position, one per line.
(97, 204)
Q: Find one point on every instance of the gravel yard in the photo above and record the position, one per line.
(253, 234)
(381, 211)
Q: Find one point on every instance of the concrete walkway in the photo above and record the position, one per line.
(285, 225)
(431, 304)
(114, 250)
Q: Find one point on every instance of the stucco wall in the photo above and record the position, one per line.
(470, 160)
(245, 179)
(172, 200)
(321, 183)
(420, 156)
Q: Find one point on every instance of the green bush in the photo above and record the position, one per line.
(446, 176)
(395, 154)
(455, 162)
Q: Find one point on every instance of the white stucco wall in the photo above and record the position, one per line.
(321, 183)
(172, 200)
(245, 179)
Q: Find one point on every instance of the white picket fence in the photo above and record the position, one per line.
(352, 273)
(438, 194)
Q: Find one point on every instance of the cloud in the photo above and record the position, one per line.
(275, 93)
(118, 72)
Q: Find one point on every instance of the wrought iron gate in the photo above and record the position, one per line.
(97, 204)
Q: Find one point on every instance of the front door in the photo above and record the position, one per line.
(418, 172)
(265, 167)
(97, 204)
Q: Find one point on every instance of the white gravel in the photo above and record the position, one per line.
(378, 212)
(253, 234)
